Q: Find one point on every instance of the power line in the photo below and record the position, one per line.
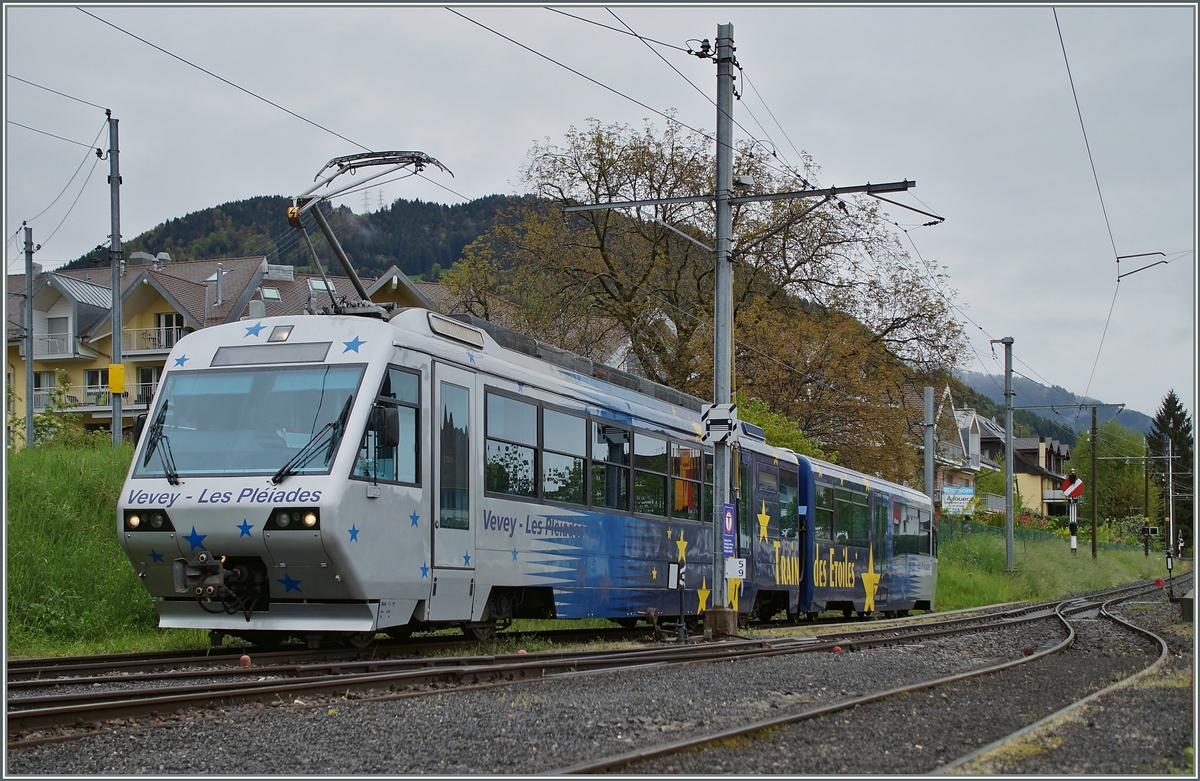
(44, 133)
(618, 30)
(56, 92)
(77, 170)
(226, 81)
(72, 206)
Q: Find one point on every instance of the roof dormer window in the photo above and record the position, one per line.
(271, 294)
(320, 285)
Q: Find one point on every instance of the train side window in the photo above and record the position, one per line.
(686, 464)
(610, 466)
(853, 518)
(881, 530)
(564, 439)
(843, 516)
(512, 428)
(823, 514)
(743, 505)
(649, 475)
(789, 504)
(706, 511)
(400, 391)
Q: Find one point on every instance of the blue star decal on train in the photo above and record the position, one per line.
(514, 554)
(254, 330)
(197, 540)
(470, 356)
(354, 530)
(289, 584)
(156, 556)
(245, 526)
(520, 387)
(424, 570)
(414, 518)
(353, 344)
(466, 559)
(181, 360)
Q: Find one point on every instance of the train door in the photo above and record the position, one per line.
(766, 527)
(455, 493)
(790, 532)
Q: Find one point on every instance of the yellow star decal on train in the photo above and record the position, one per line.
(703, 593)
(776, 452)
(654, 573)
(681, 543)
(870, 581)
(696, 426)
(668, 532)
(735, 586)
(763, 520)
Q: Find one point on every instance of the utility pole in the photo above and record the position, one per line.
(1170, 493)
(28, 323)
(116, 371)
(1146, 494)
(1008, 452)
(930, 443)
(1095, 485)
(723, 309)
(723, 292)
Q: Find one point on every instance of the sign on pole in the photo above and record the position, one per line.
(1073, 490)
(727, 522)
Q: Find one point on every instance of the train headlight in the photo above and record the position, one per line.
(148, 521)
(288, 518)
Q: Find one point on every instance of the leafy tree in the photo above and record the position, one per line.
(780, 431)
(624, 277)
(1171, 434)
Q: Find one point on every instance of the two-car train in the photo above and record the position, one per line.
(338, 475)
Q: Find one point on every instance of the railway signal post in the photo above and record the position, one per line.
(1073, 489)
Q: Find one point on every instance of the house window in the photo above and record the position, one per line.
(170, 328)
(147, 383)
(270, 294)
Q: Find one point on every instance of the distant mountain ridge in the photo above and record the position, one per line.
(1065, 405)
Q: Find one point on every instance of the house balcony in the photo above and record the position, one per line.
(149, 341)
(58, 347)
(96, 398)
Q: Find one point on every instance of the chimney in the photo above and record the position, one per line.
(220, 273)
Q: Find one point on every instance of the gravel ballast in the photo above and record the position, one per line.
(541, 726)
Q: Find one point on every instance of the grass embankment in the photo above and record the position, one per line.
(71, 590)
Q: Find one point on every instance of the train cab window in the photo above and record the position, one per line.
(823, 512)
(649, 475)
(912, 531)
(789, 504)
(686, 464)
(610, 466)
(851, 518)
(397, 463)
(564, 439)
(512, 430)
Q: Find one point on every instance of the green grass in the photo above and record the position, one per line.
(971, 570)
(71, 590)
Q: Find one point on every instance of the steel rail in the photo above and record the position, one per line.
(1069, 605)
(627, 758)
(1057, 716)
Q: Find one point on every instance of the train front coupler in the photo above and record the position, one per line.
(208, 579)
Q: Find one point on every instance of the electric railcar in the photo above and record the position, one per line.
(337, 475)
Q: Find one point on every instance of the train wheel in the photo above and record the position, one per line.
(847, 613)
(359, 639)
(901, 613)
(811, 616)
(626, 623)
(400, 632)
(481, 630)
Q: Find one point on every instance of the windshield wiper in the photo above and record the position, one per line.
(309, 451)
(164, 454)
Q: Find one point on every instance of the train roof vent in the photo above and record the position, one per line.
(753, 431)
(453, 329)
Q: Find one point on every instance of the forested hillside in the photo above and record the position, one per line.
(414, 235)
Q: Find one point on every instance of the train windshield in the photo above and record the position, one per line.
(248, 421)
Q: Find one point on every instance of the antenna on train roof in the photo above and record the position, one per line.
(308, 201)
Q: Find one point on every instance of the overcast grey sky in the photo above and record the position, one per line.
(974, 103)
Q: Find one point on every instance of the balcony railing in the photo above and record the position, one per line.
(149, 339)
(82, 397)
(53, 344)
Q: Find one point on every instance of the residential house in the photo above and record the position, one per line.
(957, 436)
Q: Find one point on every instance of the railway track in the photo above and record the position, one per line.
(1062, 610)
(34, 717)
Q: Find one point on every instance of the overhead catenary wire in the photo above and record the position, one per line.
(56, 92)
(45, 133)
(226, 81)
(103, 126)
